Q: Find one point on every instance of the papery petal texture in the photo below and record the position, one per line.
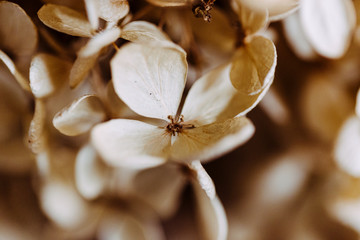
(170, 3)
(65, 20)
(150, 80)
(212, 140)
(131, 143)
(81, 116)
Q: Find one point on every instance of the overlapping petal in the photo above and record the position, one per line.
(149, 80)
(131, 143)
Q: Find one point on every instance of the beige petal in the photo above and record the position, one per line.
(90, 173)
(81, 68)
(297, 38)
(347, 150)
(170, 3)
(161, 188)
(328, 24)
(24, 83)
(80, 116)
(47, 74)
(18, 34)
(346, 210)
(37, 134)
(212, 140)
(92, 13)
(251, 21)
(131, 143)
(143, 32)
(99, 41)
(78, 5)
(253, 66)
(65, 20)
(213, 97)
(113, 10)
(149, 80)
(211, 215)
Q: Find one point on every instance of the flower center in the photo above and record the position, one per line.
(176, 125)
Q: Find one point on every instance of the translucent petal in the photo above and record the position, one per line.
(347, 150)
(213, 98)
(251, 21)
(65, 20)
(170, 3)
(212, 140)
(131, 143)
(328, 24)
(165, 197)
(81, 68)
(47, 74)
(24, 83)
(211, 215)
(149, 80)
(90, 173)
(80, 116)
(18, 34)
(253, 66)
(99, 41)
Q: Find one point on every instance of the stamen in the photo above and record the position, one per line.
(176, 126)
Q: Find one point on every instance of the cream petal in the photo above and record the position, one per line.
(296, 37)
(18, 34)
(253, 66)
(212, 140)
(150, 80)
(92, 13)
(37, 134)
(165, 197)
(328, 24)
(62, 204)
(131, 143)
(346, 210)
(80, 116)
(347, 150)
(99, 41)
(143, 32)
(113, 10)
(47, 74)
(203, 179)
(65, 20)
(211, 215)
(90, 173)
(24, 83)
(213, 98)
(81, 68)
(170, 3)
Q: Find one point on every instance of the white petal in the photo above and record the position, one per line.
(211, 215)
(90, 174)
(65, 20)
(297, 38)
(347, 150)
(24, 83)
(328, 24)
(92, 13)
(37, 134)
(253, 66)
(131, 143)
(47, 74)
(80, 117)
(18, 34)
(203, 179)
(213, 98)
(165, 197)
(210, 141)
(149, 80)
(99, 41)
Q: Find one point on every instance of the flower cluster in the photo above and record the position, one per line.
(111, 109)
